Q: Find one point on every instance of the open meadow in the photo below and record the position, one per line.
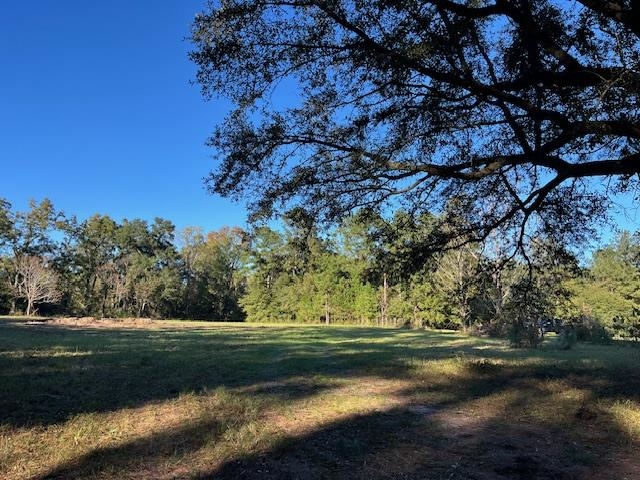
(120, 400)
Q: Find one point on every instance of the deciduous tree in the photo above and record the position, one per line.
(36, 282)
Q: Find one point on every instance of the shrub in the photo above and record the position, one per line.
(588, 329)
(567, 338)
(628, 327)
(524, 333)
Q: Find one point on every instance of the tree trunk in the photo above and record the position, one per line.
(92, 306)
(327, 315)
(103, 308)
(464, 314)
(384, 302)
(14, 293)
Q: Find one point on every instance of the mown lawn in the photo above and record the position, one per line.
(199, 400)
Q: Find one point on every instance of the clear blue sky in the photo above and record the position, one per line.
(97, 111)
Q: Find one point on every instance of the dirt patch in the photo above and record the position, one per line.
(422, 409)
(91, 322)
(128, 322)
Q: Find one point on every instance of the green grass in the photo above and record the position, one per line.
(201, 400)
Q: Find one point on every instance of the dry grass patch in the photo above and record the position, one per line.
(120, 401)
(627, 416)
(160, 436)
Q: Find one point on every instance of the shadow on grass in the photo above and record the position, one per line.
(51, 373)
(527, 428)
(401, 445)
(508, 439)
(409, 441)
(143, 456)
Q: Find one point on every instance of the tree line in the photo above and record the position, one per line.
(99, 267)
(370, 270)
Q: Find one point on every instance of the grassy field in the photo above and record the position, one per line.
(167, 400)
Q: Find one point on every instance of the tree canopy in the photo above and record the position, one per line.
(516, 115)
(363, 272)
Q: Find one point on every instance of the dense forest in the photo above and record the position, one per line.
(370, 270)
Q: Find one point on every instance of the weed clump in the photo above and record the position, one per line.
(482, 366)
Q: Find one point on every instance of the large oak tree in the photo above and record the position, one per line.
(517, 115)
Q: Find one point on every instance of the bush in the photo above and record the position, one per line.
(524, 333)
(588, 329)
(628, 327)
(567, 338)
(495, 328)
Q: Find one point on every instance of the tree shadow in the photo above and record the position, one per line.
(437, 442)
(69, 371)
(409, 441)
(144, 455)
(66, 371)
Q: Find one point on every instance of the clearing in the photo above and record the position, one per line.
(167, 400)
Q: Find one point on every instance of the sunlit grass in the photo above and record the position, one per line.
(627, 415)
(194, 399)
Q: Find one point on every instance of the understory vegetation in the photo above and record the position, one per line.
(163, 399)
(369, 271)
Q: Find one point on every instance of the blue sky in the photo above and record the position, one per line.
(97, 111)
